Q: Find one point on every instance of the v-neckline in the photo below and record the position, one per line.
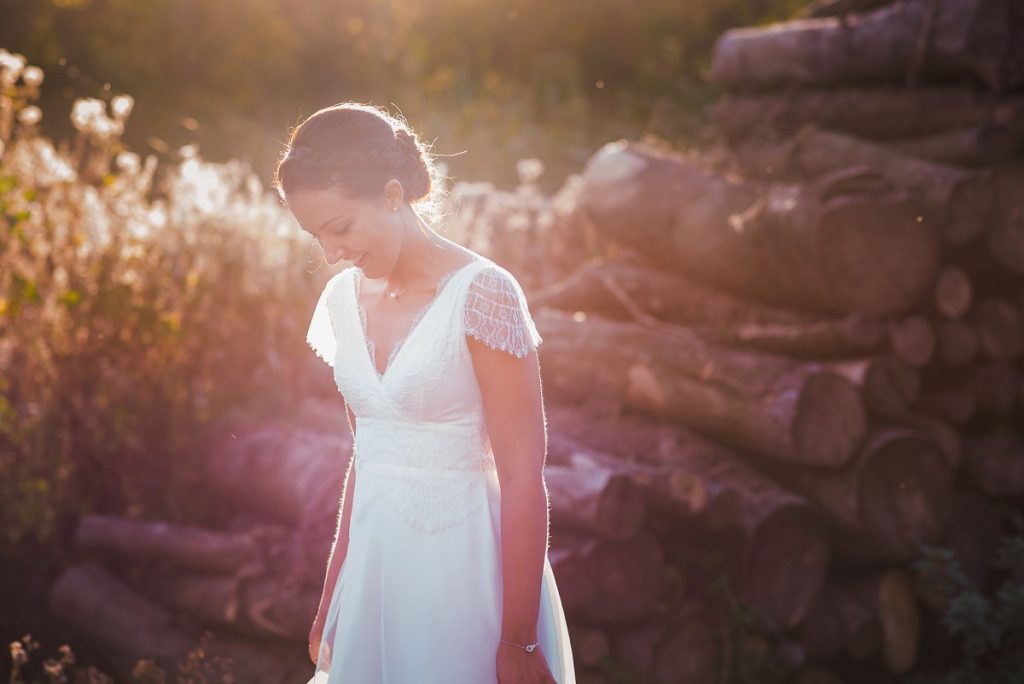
(396, 351)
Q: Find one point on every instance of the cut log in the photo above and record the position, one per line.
(861, 615)
(994, 386)
(889, 384)
(184, 546)
(125, 627)
(251, 603)
(891, 498)
(590, 646)
(967, 37)
(956, 342)
(282, 475)
(973, 538)
(600, 285)
(955, 405)
(994, 461)
(852, 335)
(1000, 329)
(798, 412)
(846, 242)
(913, 339)
(975, 146)
(636, 646)
(606, 582)
(780, 550)
(624, 290)
(879, 113)
(952, 292)
(690, 650)
(594, 496)
(836, 8)
(1006, 235)
(961, 199)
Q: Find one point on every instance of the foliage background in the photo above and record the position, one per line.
(497, 81)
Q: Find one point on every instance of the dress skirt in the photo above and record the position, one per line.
(425, 608)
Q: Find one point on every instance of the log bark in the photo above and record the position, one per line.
(852, 335)
(1006, 235)
(780, 550)
(690, 651)
(889, 384)
(995, 387)
(845, 242)
(961, 199)
(287, 476)
(799, 412)
(599, 497)
(590, 646)
(636, 646)
(967, 37)
(878, 113)
(125, 627)
(608, 287)
(606, 582)
(1000, 328)
(183, 546)
(837, 8)
(621, 289)
(955, 405)
(973, 147)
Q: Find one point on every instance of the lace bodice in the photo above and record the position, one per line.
(421, 441)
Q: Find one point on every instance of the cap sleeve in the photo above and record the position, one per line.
(321, 336)
(496, 312)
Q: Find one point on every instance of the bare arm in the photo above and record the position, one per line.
(340, 546)
(514, 413)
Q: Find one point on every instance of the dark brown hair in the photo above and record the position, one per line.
(357, 148)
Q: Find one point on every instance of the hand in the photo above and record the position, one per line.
(517, 666)
(315, 635)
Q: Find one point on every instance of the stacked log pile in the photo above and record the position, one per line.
(833, 304)
(797, 361)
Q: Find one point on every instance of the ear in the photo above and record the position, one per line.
(393, 193)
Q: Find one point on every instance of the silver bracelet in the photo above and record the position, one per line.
(528, 647)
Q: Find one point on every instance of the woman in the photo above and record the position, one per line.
(439, 570)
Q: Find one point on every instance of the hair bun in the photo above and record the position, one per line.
(407, 144)
(416, 175)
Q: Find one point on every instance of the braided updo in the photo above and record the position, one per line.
(357, 148)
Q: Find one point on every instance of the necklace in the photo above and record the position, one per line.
(394, 295)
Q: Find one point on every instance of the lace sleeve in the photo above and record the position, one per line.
(320, 336)
(497, 314)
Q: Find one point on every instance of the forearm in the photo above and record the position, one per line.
(524, 539)
(339, 547)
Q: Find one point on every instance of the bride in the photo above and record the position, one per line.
(439, 570)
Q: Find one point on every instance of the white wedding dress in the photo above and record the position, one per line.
(419, 596)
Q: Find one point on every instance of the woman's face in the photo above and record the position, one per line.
(348, 229)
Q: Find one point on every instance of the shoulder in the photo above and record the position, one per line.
(493, 279)
(496, 311)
